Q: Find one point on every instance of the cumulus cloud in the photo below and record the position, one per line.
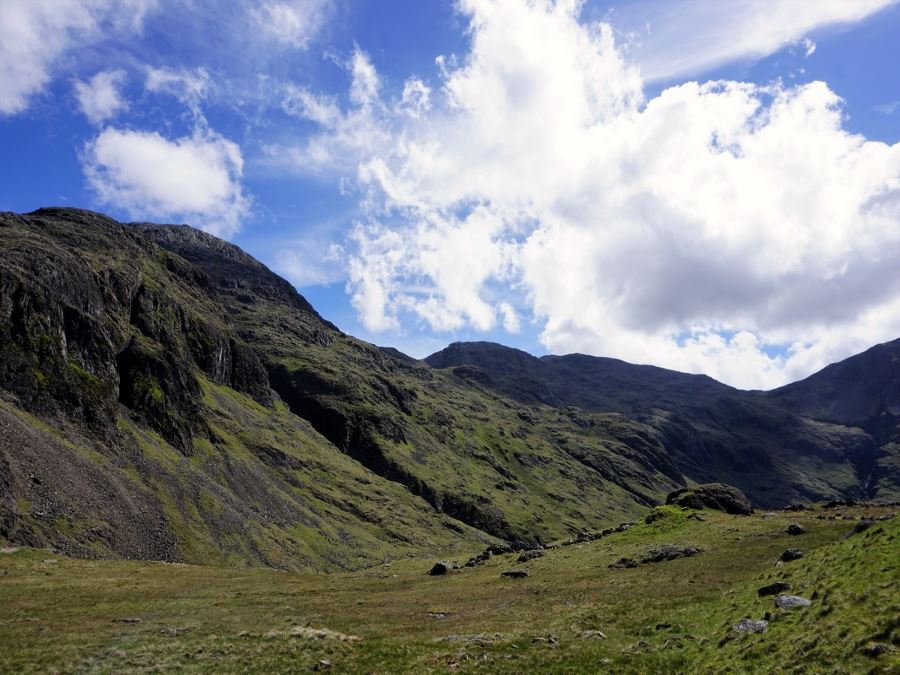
(36, 33)
(291, 22)
(195, 179)
(672, 38)
(727, 228)
(100, 98)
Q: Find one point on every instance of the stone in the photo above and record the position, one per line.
(791, 601)
(717, 496)
(791, 554)
(593, 635)
(750, 626)
(440, 568)
(795, 529)
(624, 562)
(862, 526)
(670, 552)
(530, 555)
(515, 574)
(774, 588)
(876, 649)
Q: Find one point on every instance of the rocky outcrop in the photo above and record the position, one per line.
(715, 496)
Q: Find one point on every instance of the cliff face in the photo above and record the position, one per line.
(165, 395)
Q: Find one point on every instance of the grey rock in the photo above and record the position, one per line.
(774, 588)
(750, 626)
(530, 555)
(716, 496)
(791, 601)
(440, 568)
(791, 554)
(795, 529)
(515, 574)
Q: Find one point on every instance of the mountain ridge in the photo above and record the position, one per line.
(165, 350)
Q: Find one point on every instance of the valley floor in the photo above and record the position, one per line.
(573, 613)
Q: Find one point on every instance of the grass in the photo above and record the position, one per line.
(65, 615)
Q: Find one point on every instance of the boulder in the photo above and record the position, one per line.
(862, 526)
(774, 589)
(670, 552)
(750, 626)
(717, 496)
(530, 555)
(440, 568)
(515, 574)
(791, 601)
(791, 554)
(795, 529)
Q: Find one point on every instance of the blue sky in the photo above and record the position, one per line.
(540, 174)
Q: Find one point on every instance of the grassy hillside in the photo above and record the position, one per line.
(573, 613)
(165, 396)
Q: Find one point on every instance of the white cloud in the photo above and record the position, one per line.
(687, 37)
(293, 23)
(725, 228)
(345, 137)
(195, 179)
(190, 86)
(311, 262)
(809, 47)
(887, 108)
(100, 97)
(36, 33)
(416, 99)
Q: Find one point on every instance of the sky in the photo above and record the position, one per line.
(707, 186)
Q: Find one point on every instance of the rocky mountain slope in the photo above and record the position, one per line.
(164, 395)
(777, 446)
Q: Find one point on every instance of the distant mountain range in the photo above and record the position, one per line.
(164, 395)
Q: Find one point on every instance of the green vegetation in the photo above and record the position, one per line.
(68, 615)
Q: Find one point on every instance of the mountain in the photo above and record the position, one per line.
(164, 395)
(861, 391)
(769, 445)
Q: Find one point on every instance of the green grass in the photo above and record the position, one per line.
(65, 615)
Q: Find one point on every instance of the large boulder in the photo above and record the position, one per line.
(716, 496)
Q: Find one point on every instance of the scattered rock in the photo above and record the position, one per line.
(796, 528)
(530, 555)
(670, 552)
(791, 554)
(774, 589)
(515, 574)
(320, 634)
(624, 562)
(128, 619)
(861, 526)
(796, 507)
(768, 514)
(481, 639)
(791, 601)
(716, 496)
(876, 649)
(549, 640)
(324, 664)
(440, 568)
(699, 516)
(8, 550)
(174, 631)
(593, 635)
(750, 626)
